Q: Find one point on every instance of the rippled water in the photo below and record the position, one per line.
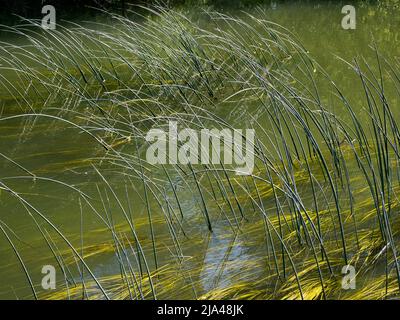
(56, 151)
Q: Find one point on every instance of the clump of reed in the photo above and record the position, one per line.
(323, 194)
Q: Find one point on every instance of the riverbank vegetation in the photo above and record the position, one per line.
(323, 195)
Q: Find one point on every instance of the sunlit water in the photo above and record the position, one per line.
(57, 151)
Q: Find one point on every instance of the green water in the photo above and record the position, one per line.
(55, 150)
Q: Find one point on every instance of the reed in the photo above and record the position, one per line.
(323, 194)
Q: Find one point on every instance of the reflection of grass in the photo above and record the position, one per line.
(323, 194)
